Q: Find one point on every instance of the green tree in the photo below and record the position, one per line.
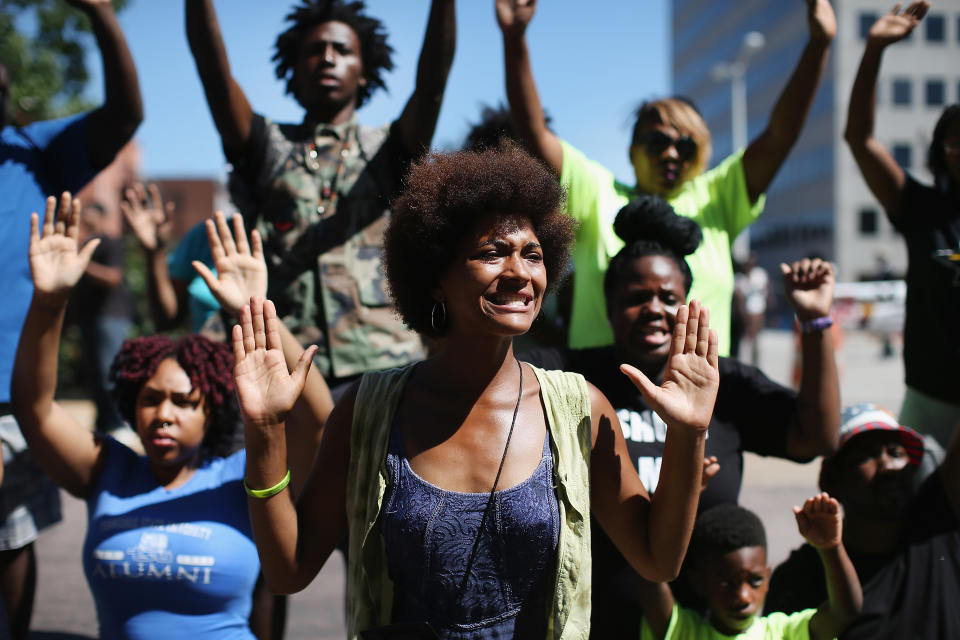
(43, 44)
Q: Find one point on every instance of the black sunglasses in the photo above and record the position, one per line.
(656, 142)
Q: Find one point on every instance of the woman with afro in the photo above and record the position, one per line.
(645, 285)
(169, 549)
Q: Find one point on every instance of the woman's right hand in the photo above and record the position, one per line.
(514, 16)
(266, 390)
(56, 261)
(149, 218)
(897, 25)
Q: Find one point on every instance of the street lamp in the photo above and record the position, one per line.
(736, 72)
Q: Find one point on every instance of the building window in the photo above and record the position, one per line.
(902, 92)
(869, 222)
(902, 153)
(936, 27)
(866, 21)
(936, 93)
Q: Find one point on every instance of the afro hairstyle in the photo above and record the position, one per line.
(445, 198)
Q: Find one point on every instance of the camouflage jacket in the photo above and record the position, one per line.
(320, 195)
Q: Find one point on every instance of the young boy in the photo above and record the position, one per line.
(727, 566)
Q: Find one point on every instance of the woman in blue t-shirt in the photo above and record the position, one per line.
(169, 548)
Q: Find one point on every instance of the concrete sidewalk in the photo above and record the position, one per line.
(64, 608)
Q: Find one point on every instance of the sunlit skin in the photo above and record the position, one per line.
(662, 174)
(171, 420)
(735, 586)
(496, 285)
(329, 70)
(876, 477)
(643, 312)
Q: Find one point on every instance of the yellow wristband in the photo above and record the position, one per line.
(266, 493)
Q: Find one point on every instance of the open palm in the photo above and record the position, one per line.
(897, 25)
(241, 271)
(56, 261)
(266, 390)
(687, 395)
(148, 218)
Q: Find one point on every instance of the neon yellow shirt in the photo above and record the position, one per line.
(688, 625)
(717, 200)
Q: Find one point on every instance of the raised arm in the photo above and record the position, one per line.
(419, 117)
(228, 104)
(112, 125)
(883, 175)
(267, 393)
(815, 427)
(652, 534)
(242, 276)
(151, 223)
(65, 450)
(514, 17)
(821, 524)
(766, 153)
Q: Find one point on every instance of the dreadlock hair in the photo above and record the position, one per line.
(375, 53)
(495, 124)
(650, 227)
(725, 528)
(208, 364)
(936, 156)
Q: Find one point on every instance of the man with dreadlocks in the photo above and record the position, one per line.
(319, 191)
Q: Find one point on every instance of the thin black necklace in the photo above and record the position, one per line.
(486, 510)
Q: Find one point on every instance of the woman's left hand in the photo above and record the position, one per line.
(809, 287)
(265, 389)
(690, 382)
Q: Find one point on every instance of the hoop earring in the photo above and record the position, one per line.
(438, 317)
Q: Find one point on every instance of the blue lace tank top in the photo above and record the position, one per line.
(430, 533)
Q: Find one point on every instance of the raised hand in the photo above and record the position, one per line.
(149, 218)
(515, 15)
(241, 272)
(56, 261)
(689, 389)
(90, 4)
(821, 19)
(809, 287)
(265, 389)
(820, 521)
(897, 24)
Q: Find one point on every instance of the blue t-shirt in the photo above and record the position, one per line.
(41, 159)
(194, 246)
(163, 564)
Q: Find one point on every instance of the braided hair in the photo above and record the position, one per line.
(208, 364)
(375, 53)
(650, 227)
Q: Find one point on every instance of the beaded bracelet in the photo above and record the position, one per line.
(266, 493)
(817, 324)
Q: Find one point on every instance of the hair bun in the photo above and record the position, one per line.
(652, 219)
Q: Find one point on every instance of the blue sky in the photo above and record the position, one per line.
(593, 67)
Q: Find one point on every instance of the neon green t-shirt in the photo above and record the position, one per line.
(717, 200)
(686, 624)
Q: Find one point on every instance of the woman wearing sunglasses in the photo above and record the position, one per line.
(669, 150)
(928, 217)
